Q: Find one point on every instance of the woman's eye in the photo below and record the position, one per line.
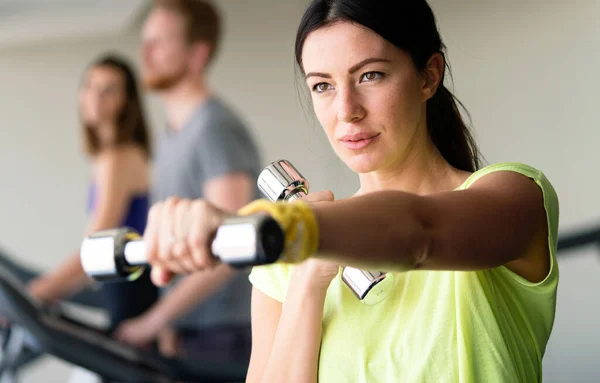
(321, 87)
(371, 76)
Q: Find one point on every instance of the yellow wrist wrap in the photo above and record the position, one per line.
(298, 222)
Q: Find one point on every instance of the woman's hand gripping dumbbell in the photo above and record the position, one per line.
(192, 253)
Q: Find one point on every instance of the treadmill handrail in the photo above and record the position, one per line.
(578, 239)
(103, 355)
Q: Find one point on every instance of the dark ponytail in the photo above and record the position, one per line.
(410, 25)
(449, 133)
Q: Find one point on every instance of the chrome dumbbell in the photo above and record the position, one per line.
(281, 181)
(240, 242)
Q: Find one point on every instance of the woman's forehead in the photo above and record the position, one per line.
(105, 74)
(341, 45)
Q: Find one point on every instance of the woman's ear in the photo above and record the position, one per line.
(433, 75)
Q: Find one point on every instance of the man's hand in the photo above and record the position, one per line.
(168, 343)
(139, 332)
(42, 289)
(4, 323)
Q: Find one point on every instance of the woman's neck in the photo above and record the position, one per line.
(107, 134)
(423, 171)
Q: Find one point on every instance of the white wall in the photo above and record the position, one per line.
(525, 69)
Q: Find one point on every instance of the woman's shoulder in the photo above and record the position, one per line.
(524, 169)
(535, 174)
(126, 163)
(126, 154)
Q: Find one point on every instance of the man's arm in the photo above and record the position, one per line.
(226, 158)
(229, 192)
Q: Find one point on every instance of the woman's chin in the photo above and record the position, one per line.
(362, 163)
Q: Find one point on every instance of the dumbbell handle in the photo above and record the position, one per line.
(135, 253)
(240, 241)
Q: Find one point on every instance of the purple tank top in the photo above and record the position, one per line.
(136, 215)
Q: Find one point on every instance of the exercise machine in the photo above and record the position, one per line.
(36, 328)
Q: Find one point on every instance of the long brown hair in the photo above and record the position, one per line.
(131, 124)
(411, 26)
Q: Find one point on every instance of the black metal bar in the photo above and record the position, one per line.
(582, 238)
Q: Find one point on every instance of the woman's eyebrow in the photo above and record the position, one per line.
(352, 70)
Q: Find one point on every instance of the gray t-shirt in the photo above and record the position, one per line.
(213, 143)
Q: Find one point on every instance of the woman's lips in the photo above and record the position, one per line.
(358, 141)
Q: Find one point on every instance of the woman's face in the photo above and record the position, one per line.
(102, 96)
(366, 93)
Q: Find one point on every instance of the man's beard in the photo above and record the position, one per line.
(158, 82)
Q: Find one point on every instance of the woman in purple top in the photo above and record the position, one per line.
(117, 141)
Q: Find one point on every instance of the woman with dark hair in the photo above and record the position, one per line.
(472, 250)
(117, 140)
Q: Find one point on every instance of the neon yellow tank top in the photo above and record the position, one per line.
(439, 326)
